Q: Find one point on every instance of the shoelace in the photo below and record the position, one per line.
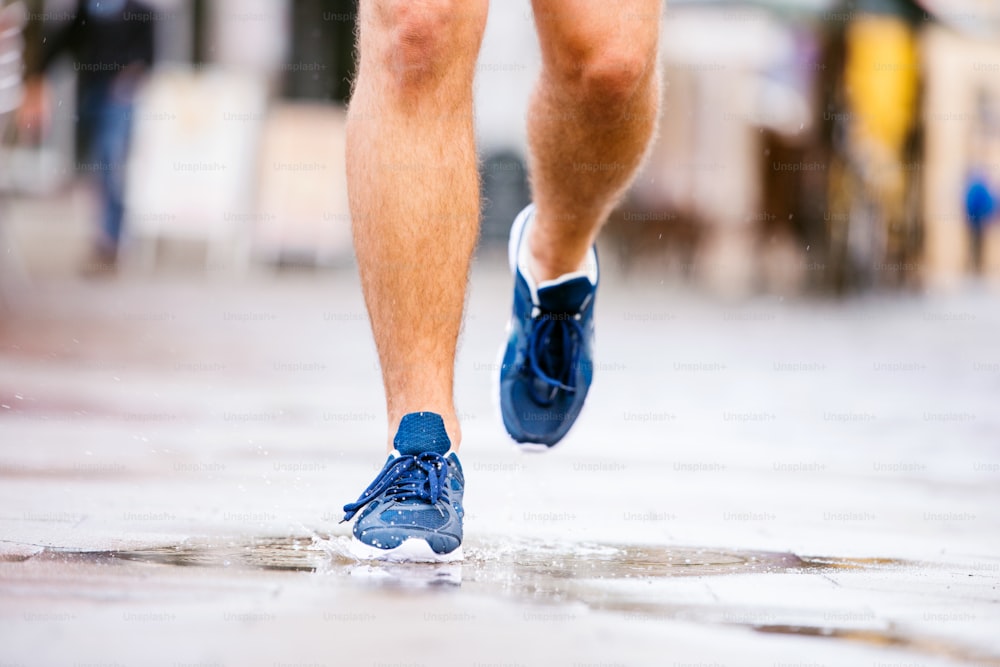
(421, 477)
(559, 372)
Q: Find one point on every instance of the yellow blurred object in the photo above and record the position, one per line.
(881, 76)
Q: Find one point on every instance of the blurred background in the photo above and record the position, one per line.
(806, 146)
(797, 349)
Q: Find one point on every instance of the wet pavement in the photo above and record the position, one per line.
(772, 482)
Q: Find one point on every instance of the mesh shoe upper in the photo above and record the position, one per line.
(417, 494)
(548, 362)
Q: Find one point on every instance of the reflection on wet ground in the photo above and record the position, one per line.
(550, 573)
(521, 557)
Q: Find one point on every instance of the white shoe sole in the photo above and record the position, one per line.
(412, 550)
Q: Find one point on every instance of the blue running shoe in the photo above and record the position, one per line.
(413, 509)
(547, 365)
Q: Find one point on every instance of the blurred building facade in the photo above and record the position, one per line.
(804, 144)
(827, 146)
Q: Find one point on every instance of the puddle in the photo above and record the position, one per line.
(555, 560)
(295, 554)
(543, 571)
(551, 574)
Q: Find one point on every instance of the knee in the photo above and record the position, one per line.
(420, 40)
(608, 78)
(614, 78)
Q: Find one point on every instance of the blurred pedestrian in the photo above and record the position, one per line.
(111, 43)
(980, 206)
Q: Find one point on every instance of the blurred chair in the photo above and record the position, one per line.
(12, 20)
(302, 212)
(191, 175)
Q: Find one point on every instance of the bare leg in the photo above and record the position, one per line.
(591, 119)
(414, 191)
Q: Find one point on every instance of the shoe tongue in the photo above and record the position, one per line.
(566, 294)
(421, 432)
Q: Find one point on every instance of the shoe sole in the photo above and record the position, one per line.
(412, 550)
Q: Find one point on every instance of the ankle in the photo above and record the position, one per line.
(549, 257)
(543, 271)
